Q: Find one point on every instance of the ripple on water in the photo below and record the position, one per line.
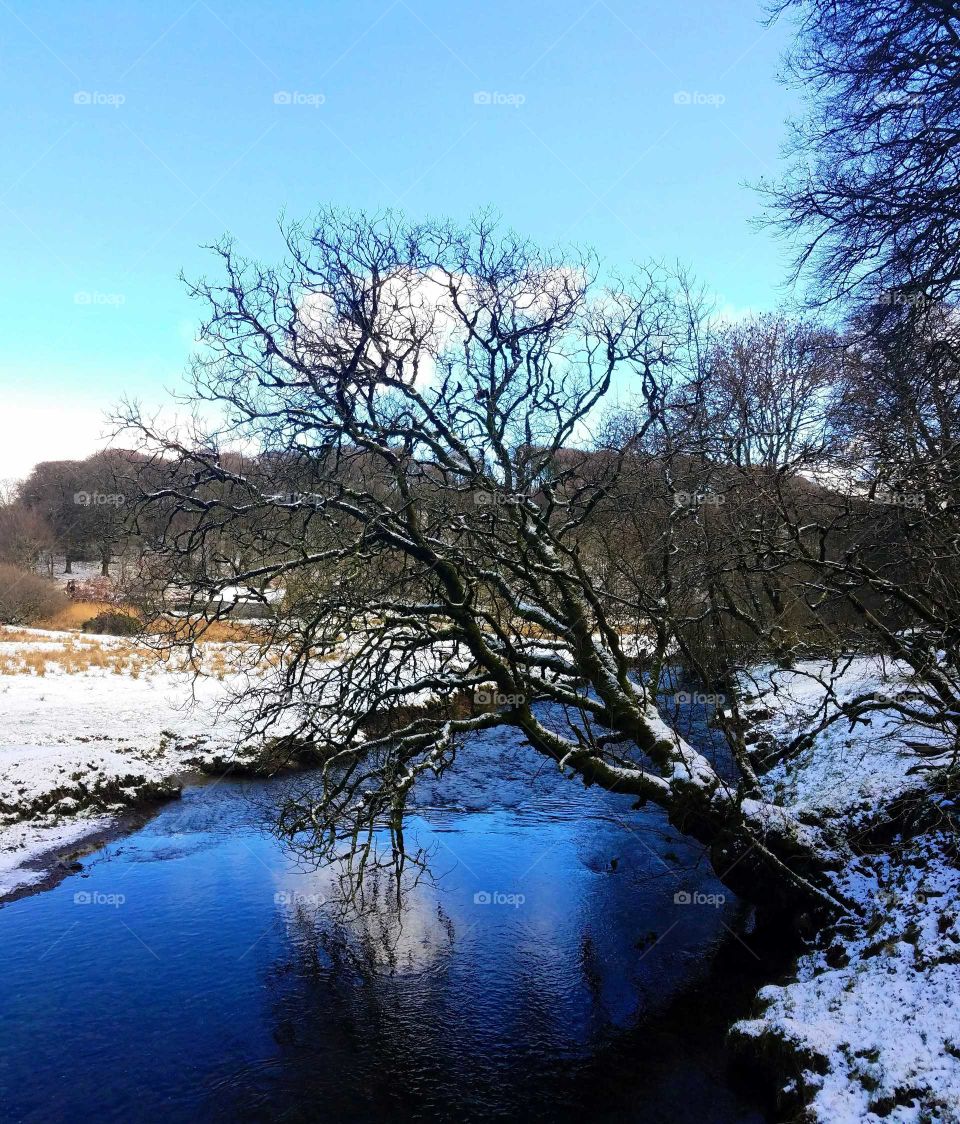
(534, 979)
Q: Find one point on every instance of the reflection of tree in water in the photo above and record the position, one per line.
(379, 1013)
(395, 932)
(366, 866)
(361, 1038)
(357, 1007)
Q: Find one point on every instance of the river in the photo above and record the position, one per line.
(570, 959)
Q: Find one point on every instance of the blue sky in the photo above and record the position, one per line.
(134, 133)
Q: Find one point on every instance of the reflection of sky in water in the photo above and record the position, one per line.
(223, 989)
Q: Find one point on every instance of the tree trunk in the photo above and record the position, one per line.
(759, 849)
(765, 855)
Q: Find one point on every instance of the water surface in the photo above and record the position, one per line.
(549, 972)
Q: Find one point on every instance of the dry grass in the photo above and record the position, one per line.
(74, 615)
(10, 634)
(73, 655)
(77, 613)
(216, 632)
(27, 652)
(61, 647)
(228, 632)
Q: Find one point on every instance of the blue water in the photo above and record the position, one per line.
(194, 970)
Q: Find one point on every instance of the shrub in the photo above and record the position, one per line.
(26, 598)
(113, 623)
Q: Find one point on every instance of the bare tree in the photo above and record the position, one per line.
(838, 534)
(83, 503)
(24, 534)
(872, 193)
(873, 185)
(418, 386)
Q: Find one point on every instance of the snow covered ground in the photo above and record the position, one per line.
(873, 1018)
(79, 746)
(871, 1022)
(848, 772)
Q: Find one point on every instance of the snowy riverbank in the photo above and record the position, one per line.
(95, 726)
(90, 729)
(869, 1028)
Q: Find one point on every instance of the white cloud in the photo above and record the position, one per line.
(725, 313)
(419, 318)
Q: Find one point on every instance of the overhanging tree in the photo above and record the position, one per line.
(414, 390)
